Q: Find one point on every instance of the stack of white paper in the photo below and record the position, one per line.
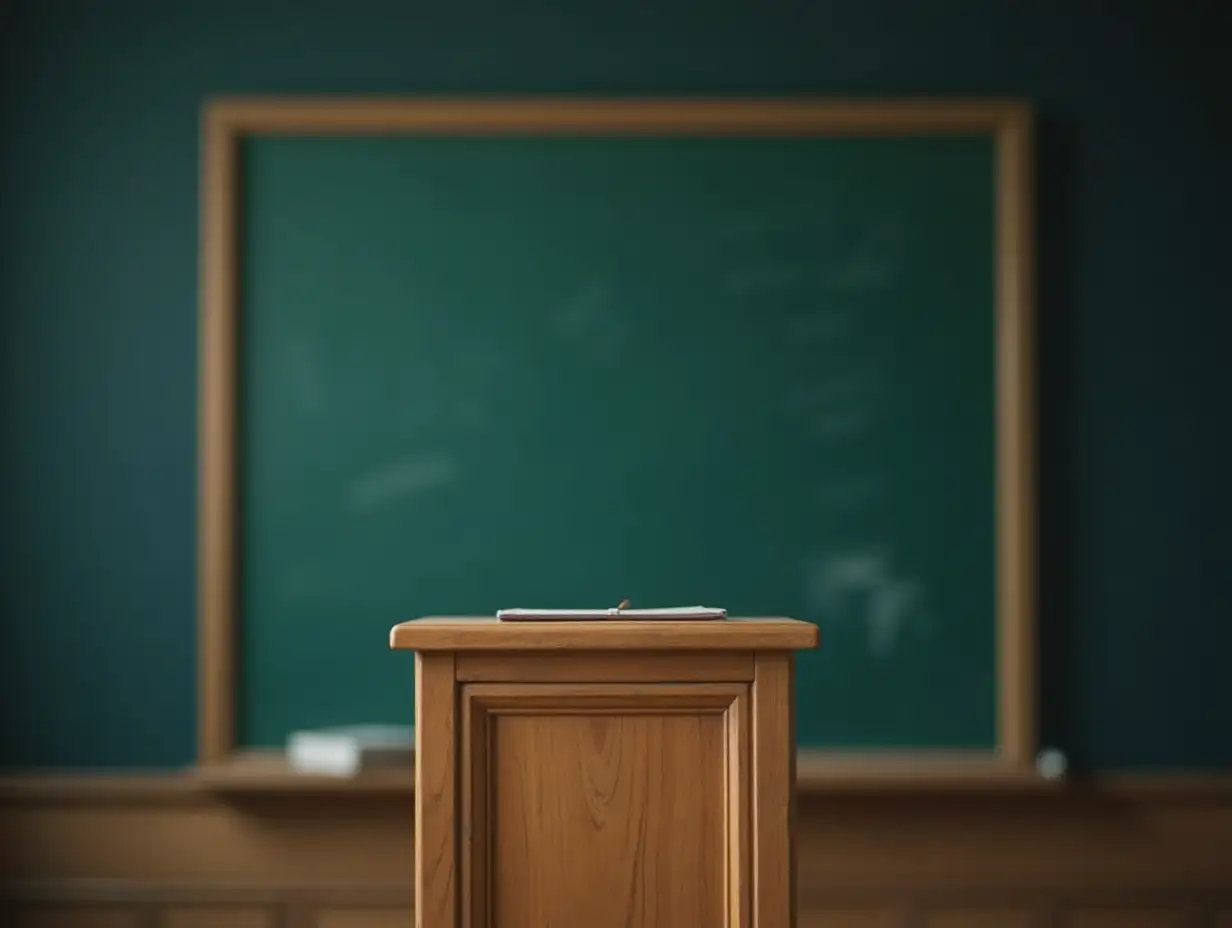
(674, 614)
(349, 750)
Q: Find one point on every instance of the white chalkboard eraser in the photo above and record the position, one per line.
(349, 750)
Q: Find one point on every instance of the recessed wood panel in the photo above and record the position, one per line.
(76, 916)
(981, 918)
(1137, 917)
(365, 918)
(217, 916)
(604, 806)
(873, 917)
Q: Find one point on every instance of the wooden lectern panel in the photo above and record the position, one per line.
(597, 805)
(604, 775)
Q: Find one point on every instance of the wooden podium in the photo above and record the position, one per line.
(612, 774)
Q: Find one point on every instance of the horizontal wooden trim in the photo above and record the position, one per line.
(261, 772)
(813, 895)
(118, 787)
(159, 892)
(351, 115)
(604, 698)
(922, 851)
(486, 633)
(269, 772)
(604, 667)
(918, 770)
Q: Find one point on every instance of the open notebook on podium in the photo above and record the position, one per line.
(619, 613)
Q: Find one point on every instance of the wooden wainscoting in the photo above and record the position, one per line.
(166, 853)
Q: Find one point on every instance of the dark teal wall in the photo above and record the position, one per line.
(98, 248)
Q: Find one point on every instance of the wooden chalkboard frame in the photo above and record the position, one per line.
(1008, 123)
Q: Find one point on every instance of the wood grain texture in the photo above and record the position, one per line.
(76, 851)
(605, 667)
(1016, 444)
(76, 916)
(982, 918)
(474, 804)
(773, 791)
(608, 841)
(547, 115)
(816, 776)
(869, 917)
(899, 776)
(217, 496)
(269, 773)
(214, 916)
(603, 805)
(974, 772)
(363, 918)
(483, 633)
(1155, 917)
(436, 845)
(739, 831)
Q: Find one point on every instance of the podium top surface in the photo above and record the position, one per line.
(487, 633)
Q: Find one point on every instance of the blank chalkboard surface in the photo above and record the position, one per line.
(753, 371)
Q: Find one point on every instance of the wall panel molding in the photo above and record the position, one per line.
(164, 853)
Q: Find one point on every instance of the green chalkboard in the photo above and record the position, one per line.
(753, 372)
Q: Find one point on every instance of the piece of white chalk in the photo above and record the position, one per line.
(1051, 764)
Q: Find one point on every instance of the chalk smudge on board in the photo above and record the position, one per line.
(408, 477)
(861, 586)
(840, 408)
